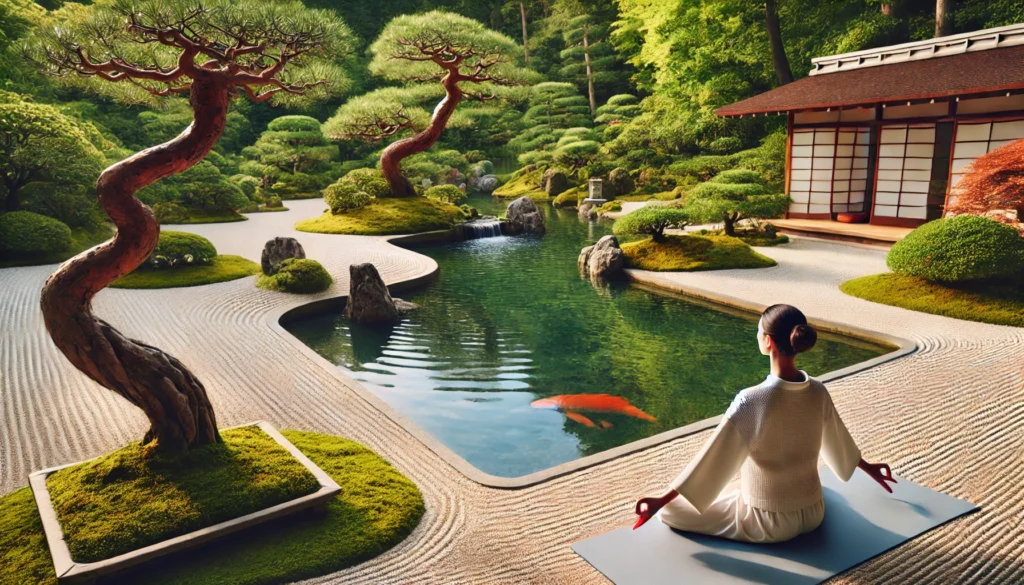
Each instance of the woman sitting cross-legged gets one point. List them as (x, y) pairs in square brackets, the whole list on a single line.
[(772, 434)]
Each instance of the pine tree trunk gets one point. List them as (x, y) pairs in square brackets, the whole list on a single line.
[(391, 158), (179, 411), (943, 24), (729, 223), (590, 75), (526, 48), (779, 59)]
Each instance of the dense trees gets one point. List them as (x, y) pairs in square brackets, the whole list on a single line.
[(279, 52)]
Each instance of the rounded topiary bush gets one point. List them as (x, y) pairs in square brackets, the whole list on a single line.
[(297, 275), (343, 196), (738, 177), (294, 124), (651, 220), (369, 181), (447, 194), (725, 145), (177, 249), (958, 249), (23, 233)]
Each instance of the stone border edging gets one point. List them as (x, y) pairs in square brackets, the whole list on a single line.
[(301, 309), (70, 571)]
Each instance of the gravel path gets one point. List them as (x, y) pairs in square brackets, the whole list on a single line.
[(950, 416)]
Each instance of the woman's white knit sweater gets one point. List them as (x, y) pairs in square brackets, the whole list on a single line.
[(772, 434)]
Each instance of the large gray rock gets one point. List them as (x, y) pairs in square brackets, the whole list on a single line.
[(554, 182), (277, 251), (602, 261), (369, 300), (620, 180), (524, 217), (587, 211), (487, 183)]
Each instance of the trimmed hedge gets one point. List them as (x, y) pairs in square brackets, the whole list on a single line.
[(176, 249), (959, 249), (447, 194), (723, 190), (297, 275), (344, 195), (23, 233), (651, 220), (737, 177)]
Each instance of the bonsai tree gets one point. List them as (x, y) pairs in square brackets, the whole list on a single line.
[(439, 47), (276, 51), (652, 221), (721, 199), (293, 144), (993, 185)]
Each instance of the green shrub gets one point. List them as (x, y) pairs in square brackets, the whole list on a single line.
[(170, 212), (703, 167), (247, 184), (738, 177), (725, 145), (344, 195), (181, 249), (296, 184), (274, 202), (727, 190), (769, 159), (297, 275), (486, 167), (651, 220), (294, 124), (959, 249), (369, 181), (23, 233), (71, 204), (447, 194)]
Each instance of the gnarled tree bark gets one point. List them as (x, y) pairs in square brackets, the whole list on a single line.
[(175, 401)]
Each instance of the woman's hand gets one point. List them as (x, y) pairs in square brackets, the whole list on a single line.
[(646, 508), (879, 472)]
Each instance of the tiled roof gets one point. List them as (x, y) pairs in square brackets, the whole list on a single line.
[(964, 74)]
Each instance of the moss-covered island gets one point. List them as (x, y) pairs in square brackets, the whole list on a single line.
[(692, 253), (388, 216)]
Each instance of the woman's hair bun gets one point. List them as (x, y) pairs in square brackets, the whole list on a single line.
[(803, 338)]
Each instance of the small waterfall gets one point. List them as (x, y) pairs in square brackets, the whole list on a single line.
[(482, 228)]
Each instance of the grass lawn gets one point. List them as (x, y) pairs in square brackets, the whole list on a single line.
[(81, 240), (692, 252), (988, 303), (199, 216), (388, 216), (753, 237), (377, 508), (224, 268)]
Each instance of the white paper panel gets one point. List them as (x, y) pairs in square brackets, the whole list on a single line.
[(824, 137), (840, 198), (859, 174), (914, 212), (822, 163), (889, 186), (822, 175), (800, 196), (960, 164), (844, 150), (836, 208), (892, 150), (919, 164), (1008, 130), (819, 208), (864, 137), (797, 208), (998, 143), (847, 137), (799, 185), (890, 175), (803, 138), (885, 210), (841, 174), (914, 199), (845, 163), (968, 132), (890, 163), (917, 176), (893, 135), (801, 163), (921, 135), (915, 187), (841, 186), (887, 198), (821, 186), (800, 174), (860, 163), (822, 198), (858, 185), (970, 149), (921, 150), (857, 197), (803, 151), (828, 150), (862, 151)]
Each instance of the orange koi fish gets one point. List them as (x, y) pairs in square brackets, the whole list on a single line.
[(572, 404)]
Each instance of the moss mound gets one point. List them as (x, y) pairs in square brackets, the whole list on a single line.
[(24, 234), (523, 184), (345, 196), (176, 249), (376, 510), (222, 269), (692, 253), (131, 499), (571, 197), (1001, 304), (959, 249), (446, 194), (297, 275), (389, 216)]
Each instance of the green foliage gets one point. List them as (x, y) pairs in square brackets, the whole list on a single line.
[(177, 249), (692, 253), (571, 197), (651, 220), (391, 215), (447, 194), (576, 154), (369, 181), (221, 269), (295, 146), (299, 185), (725, 145), (24, 234), (737, 177), (71, 204), (959, 249), (344, 196), (618, 109), (247, 184), (523, 183), (435, 165), (161, 497), (586, 39), (702, 167), (982, 301), (297, 275)]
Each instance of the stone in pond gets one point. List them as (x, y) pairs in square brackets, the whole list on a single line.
[(604, 260), (587, 211), (277, 251), (368, 298), (554, 182), (524, 217), (487, 183)]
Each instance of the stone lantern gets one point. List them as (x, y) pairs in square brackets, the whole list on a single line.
[(596, 191)]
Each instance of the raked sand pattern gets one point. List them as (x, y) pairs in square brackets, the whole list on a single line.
[(950, 416)]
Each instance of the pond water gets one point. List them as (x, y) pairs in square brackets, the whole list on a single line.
[(509, 329)]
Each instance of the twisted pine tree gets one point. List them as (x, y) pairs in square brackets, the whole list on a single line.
[(423, 48), (211, 51)]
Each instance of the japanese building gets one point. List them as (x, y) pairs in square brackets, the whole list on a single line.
[(883, 135)]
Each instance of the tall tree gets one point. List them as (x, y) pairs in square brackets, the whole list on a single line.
[(943, 22), (779, 60), (437, 47), (293, 144), (268, 51)]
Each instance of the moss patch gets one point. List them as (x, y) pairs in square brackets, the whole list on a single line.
[(223, 268), (388, 216), (1001, 304), (691, 253), (377, 508), (81, 240), (525, 184), (131, 499), (196, 216), (753, 237)]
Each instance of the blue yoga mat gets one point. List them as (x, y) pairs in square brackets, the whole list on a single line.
[(861, 521)]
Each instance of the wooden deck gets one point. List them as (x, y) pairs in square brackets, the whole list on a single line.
[(863, 233)]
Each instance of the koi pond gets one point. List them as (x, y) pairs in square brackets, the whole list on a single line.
[(517, 364)]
